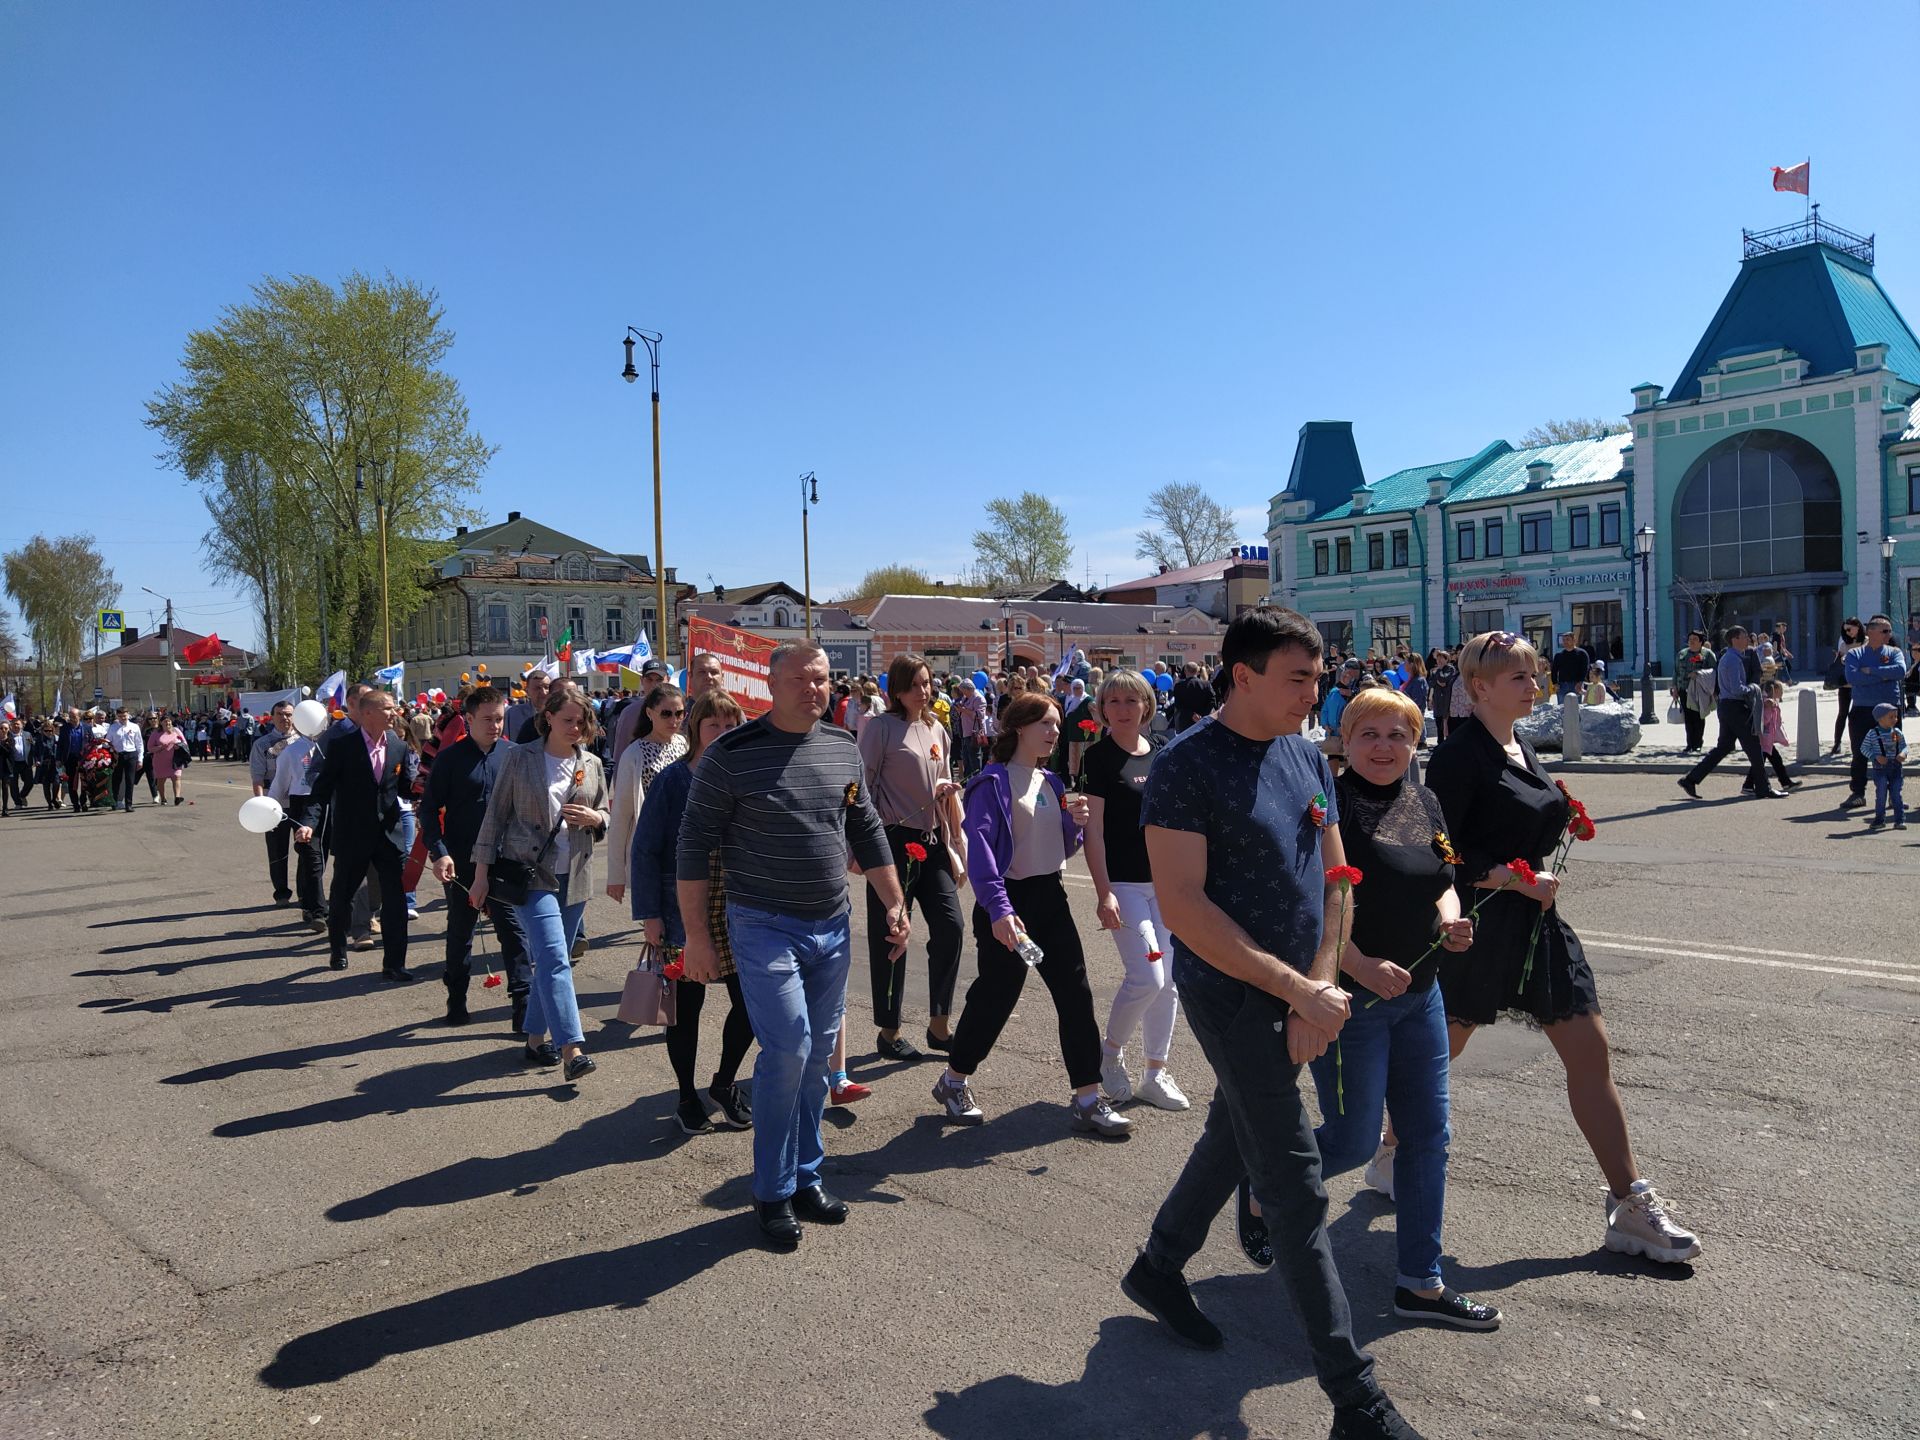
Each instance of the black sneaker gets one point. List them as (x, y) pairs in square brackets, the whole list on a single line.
[(1853, 802), (1450, 1308), (1375, 1420), (735, 1112), (692, 1116), (1254, 1240), (1690, 787), (1167, 1299), (898, 1048)]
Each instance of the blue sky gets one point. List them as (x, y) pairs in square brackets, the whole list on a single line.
[(935, 253)]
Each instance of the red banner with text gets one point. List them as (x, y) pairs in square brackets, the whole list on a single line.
[(743, 661)]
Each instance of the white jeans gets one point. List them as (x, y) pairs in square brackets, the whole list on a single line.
[(1146, 997)]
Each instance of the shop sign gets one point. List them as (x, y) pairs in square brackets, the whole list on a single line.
[(1509, 584)]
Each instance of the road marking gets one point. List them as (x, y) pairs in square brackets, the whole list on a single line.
[(1777, 954), (1755, 960)]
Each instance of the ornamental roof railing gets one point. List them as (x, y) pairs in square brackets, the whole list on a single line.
[(1811, 231)]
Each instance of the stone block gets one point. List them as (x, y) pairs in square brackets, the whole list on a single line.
[(1610, 729)]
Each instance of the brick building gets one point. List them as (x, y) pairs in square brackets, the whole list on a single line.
[(960, 633)]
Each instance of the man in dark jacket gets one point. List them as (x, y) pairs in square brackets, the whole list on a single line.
[(450, 814), (1570, 666), (362, 775), (1193, 698)]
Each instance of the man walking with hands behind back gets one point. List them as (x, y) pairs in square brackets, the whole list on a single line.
[(1241, 828), (782, 798), (361, 776)]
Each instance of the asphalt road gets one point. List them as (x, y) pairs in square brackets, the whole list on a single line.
[(248, 1196)]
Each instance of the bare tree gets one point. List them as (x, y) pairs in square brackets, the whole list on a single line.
[(1705, 598), (1193, 527), (1560, 432)]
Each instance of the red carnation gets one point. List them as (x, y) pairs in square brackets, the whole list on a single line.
[(492, 980), (916, 851), (1581, 827), (1088, 726), (1344, 875), (1523, 873)]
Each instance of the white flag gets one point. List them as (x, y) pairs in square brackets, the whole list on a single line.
[(582, 660), (6, 704), (333, 690)]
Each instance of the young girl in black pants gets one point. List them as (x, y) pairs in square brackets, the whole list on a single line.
[(1021, 825)]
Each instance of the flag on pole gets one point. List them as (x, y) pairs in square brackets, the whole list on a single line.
[(6, 705), (394, 674), (59, 700), (549, 667), (583, 661), (333, 690), (207, 649), (563, 652), (1797, 178)]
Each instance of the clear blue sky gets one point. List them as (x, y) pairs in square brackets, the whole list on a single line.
[(935, 253)]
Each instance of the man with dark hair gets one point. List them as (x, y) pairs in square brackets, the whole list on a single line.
[(1738, 678), (1569, 666), (1875, 669), (1242, 827), (455, 802), (1193, 698), (362, 774)]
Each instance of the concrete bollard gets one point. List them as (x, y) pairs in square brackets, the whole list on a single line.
[(1807, 748), (1570, 728)]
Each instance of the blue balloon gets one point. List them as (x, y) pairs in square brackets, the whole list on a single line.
[(883, 682), (1163, 683), (980, 680)]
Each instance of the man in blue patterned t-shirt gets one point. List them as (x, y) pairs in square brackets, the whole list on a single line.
[(1241, 828)]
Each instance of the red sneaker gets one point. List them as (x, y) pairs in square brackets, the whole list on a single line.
[(848, 1093)]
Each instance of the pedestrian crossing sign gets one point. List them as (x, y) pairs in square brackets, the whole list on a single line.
[(111, 621)]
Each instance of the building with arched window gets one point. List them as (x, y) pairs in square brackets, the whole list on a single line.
[(1780, 478)]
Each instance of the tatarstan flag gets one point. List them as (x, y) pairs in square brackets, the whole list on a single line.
[(563, 652)]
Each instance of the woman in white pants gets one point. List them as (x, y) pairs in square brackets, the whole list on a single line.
[(1113, 770)]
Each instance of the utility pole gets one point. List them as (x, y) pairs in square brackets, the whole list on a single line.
[(806, 554)]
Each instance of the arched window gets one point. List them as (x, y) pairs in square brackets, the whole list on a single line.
[(1755, 506)]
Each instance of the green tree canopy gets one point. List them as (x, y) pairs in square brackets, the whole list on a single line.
[(301, 416), (59, 586), (905, 580), (1025, 541)]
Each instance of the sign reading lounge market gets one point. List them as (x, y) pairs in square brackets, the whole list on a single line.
[(1505, 584)]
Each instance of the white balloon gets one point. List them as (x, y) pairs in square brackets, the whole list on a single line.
[(310, 718), (305, 690), (261, 814)]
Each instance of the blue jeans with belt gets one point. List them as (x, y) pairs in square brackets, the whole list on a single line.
[(550, 924), (793, 977), (1394, 1054)]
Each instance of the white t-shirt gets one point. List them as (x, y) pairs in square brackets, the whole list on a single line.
[(559, 790)]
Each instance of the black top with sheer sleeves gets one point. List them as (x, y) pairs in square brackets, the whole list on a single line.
[(1394, 835)]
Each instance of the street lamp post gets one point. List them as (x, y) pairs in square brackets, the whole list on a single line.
[(1886, 575), (651, 339), (809, 496), (1006, 636), (380, 514), (1643, 547)]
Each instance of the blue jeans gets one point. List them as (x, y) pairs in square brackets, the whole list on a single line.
[(793, 977), (1395, 1055), (1887, 782), (1257, 1127), (409, 827), (551, 923)]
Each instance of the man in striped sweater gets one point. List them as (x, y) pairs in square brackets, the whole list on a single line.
[(782, 799)]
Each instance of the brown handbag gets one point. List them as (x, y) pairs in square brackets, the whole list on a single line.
[(649, 997)]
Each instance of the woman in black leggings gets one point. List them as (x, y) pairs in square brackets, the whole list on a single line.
[(1852, 633), (655, 899)]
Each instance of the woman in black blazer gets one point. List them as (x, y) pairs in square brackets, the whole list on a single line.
[(1501, 805)]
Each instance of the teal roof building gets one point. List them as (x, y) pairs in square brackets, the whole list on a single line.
[(1778, 482)]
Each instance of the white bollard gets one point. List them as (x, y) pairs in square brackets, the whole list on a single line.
[(1807, 748), (1570, 728)]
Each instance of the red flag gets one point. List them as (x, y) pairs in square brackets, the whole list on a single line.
[(1795, 177), (207, 649)]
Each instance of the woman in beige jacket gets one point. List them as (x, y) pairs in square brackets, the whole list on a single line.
[(548, 805)]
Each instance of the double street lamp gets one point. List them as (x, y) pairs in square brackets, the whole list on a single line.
[(1643, 548), (651, 339)]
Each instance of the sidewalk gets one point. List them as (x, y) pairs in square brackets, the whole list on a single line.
[(1661, 750)]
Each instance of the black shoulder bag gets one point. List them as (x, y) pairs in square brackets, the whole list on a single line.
[(511, 879)]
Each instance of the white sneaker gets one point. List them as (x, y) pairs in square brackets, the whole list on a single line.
[(1114, 1083), (1099, 1118), (1640, 1225), (957, 1101), (1379, 1171), (1157, 1088)]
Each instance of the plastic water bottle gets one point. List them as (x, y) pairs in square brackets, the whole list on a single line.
[(1028, 951)]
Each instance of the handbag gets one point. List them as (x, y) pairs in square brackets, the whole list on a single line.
[(648, 997), (1836, 675), (510, 880), (1674, 715)]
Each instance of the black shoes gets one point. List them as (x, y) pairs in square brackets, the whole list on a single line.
[(543, 1055), (1375, 1420), (399, 976), (581, 1064), (777, 1223), (1168, 1300), (520, 1016), (1691, 787), (1853, 802), (1450, 1308), (692, 1116), (316, 923), (457, 1012), (1254, 1240), (735, 1112), (898, 1048), (336, 962), (936, 1043), (814, 1203)]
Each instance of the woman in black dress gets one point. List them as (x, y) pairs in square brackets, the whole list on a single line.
[(1500, 804)]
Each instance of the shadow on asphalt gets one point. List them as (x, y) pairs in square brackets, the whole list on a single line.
[(178, 919), (622, 1279)]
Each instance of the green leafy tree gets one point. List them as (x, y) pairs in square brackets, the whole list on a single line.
[(1025, 541), (906, 580), (58, 586), (302, 416), (1560, 432), (1189, 527)]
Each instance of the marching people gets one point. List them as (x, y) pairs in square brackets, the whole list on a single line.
[(292, 789), (361, 775), (1115, 772), (1500, 803), (782, 799), (1240, 818), (1874, 669), (16, 764), (1773, 732), (1695, 687), (129, 749), (665, 710), (97, 764), (261, 762), (906, 754), (652, 867), (521, 712), (452, 808), (632, 724), (547, 804), (46, 762), (1021, 828), (166, 751), (1078, 725), (1737, 685)]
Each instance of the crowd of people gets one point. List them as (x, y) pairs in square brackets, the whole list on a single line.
[(95, 759), (1217, 814)]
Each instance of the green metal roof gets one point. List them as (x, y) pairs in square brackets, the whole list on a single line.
[(1402, 490), (1872, 316), (1497, 470)]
